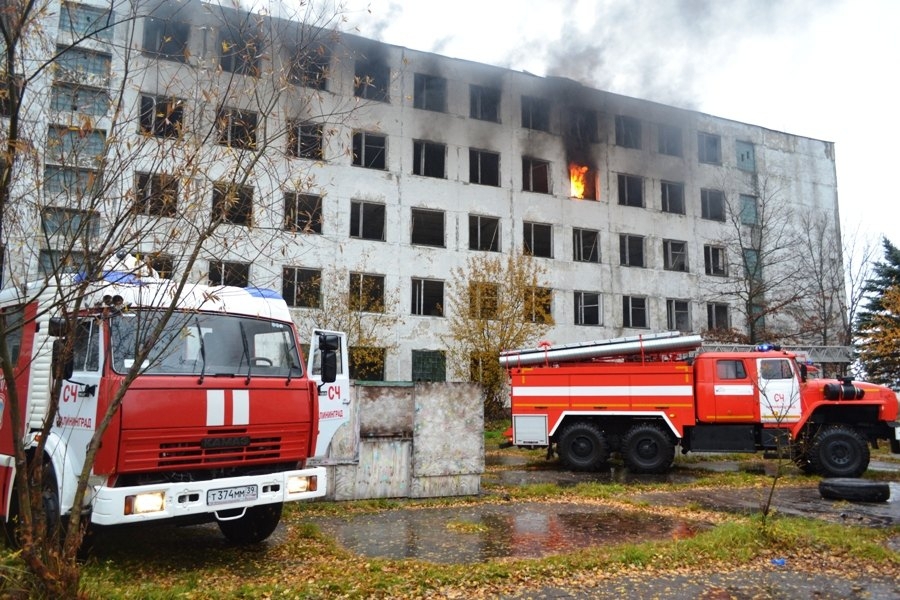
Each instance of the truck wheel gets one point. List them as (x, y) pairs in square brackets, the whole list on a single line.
[(50, 502), (257, 524), (647, 449), (839, 451), (583, 447)]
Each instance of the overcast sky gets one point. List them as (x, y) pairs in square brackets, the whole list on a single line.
[(825, 69)]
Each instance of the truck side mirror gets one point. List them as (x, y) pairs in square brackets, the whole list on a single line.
[(58, 327), (804, 372), (328, 347)]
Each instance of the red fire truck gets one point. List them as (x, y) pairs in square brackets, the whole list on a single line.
[(217, 425), (642, 396)]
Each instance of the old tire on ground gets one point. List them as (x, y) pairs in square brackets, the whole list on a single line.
[(854, 489), (583, 447), (646, 448), (838, 451), (257, 524)]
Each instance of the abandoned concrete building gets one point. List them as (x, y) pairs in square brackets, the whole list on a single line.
[(390, 167)]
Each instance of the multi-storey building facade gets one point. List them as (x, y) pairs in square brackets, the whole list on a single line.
[(389, 167)]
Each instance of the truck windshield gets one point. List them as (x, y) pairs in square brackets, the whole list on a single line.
[(213, 344)]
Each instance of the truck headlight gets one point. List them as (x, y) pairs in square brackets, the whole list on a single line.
[(146, 502), (297, 485)]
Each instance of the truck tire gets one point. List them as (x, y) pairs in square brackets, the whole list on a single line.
[(50, 503), (647, 449), (838, 451), (854, 489), (256, 525), (583, 447)]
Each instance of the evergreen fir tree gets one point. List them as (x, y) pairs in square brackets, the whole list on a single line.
[(878, 322)]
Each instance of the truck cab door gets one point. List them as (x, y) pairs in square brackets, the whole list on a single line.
[(779, 390), (334, 397), (76, 418)]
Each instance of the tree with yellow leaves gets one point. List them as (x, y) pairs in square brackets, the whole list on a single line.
[(498, 303)]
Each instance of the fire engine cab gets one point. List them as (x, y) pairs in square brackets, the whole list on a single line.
[(216, 425), (642, 396)]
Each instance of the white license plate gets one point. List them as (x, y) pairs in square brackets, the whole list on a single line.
[(241, 493)]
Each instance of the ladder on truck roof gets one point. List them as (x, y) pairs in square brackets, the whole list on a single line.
[(670, 341)]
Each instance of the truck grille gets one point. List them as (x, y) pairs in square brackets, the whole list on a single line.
[(153, 450)]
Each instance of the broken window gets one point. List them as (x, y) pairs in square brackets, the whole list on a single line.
[(582, 125), (678, 315), (712, 205), (672, 197), (484, 103), (535, 113), (628, 132), (428, 159), (746, 156), (631, 190), (71, 182), (233, 203), (586, 245), (427, 227), (241, 46), (631, 250), (369, 150), (155, 194), (714, 260), (427, 297), (367, 220), (717, 316), (302, 212), (484, 233), (675, 255), (305, 140), (535, 175), (709, 148), (163, 264), (429, 365), (161, 117), (237, 128), (538, 305), (309, 65), (372, 79), (538, 239), (484, 167), (430, 92), (166, 38), (670, 140), (66, 225), (634, 311), (82, 21), (229, 273), (81, 67), (752, 266), (301, 287), (749, 210), (367, 363), (587, 308), (366, 292), (484, 300)]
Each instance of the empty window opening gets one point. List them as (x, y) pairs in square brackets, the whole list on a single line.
[(302, 212), (678, 315), (367, 220), (631, 250), (427, 297), (484, 233), (631, 190), (628, 132), (672, 197), (709, 148), (538, 239), (428, 159), (427, 227), (484, 167), (484, 103), (675, 255), (634, 311), (535, 175), (670, 140), (430, 92), (369, 150), (586, 245), (712, 205), (535, 113)]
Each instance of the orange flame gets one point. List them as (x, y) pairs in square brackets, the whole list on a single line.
[(578, 179)]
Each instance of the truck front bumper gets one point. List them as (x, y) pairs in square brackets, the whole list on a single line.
[(137, 504)]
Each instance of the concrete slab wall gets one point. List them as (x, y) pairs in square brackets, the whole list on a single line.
[(414, 440)]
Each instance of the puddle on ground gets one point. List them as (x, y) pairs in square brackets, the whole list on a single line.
[(564, 478), (478, 533)]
